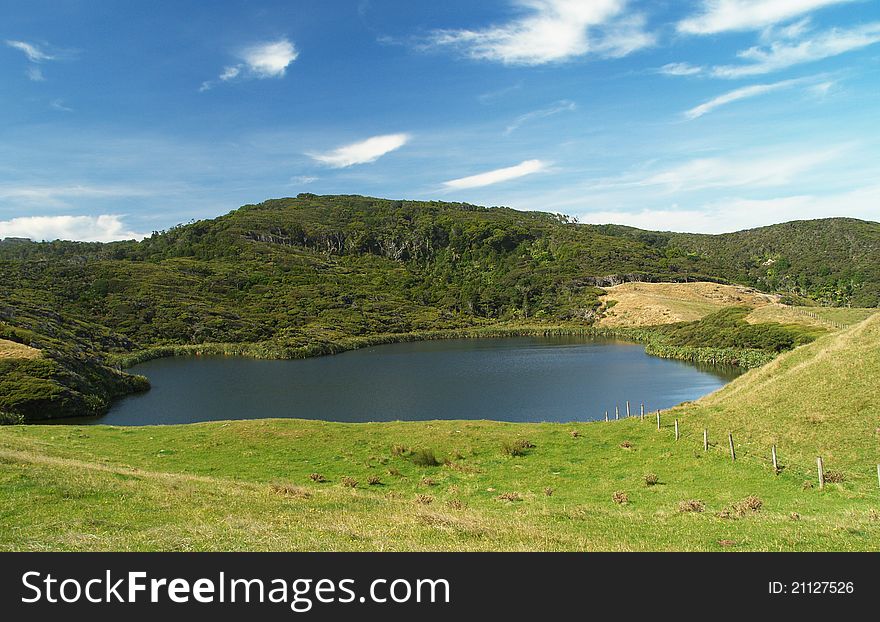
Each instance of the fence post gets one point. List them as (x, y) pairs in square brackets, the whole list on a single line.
[(878, 474), (775, 462), (627, 409), (642, 410), (658, 419), (821, 468), (677, 436), (730, 442), (616, 413), (705, 440), (606, 416)]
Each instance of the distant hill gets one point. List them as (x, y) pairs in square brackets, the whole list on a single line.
[(293, 274), (832, 260)]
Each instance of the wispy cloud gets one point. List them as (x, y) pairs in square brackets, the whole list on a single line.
[(563, 105), (103, 228), (552, 31), (785, 53), (361, 152), (745, 92), (492, 96), (496, 176), (269, 59), (732, 15), (35, 55), (58, 104), (680, 69), (755, 171), (58, 195)]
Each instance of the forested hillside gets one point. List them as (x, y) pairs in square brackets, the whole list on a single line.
[(292, 273), (834, 261)]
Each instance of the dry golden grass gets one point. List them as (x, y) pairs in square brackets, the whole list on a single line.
[(12, 350), (650, 304)]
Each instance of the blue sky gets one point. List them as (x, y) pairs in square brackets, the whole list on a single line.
[(120, 118)]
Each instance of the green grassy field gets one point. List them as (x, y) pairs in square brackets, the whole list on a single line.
[(246, 485)]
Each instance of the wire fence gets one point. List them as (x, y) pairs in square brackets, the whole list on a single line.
[(772, 456)]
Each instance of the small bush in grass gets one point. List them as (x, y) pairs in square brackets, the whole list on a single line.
[(509, 496), (374, 480), (427, 481), (620, 497), (834, 477), (456, 504), (574, 433), (399, 450), (626, 445), (289, 490), (794, 516), (651, 479), (691, 505), (424, 499), (749, 505), (424, 457), (548, 492), (349, 482), (516, 448), (317, 478)]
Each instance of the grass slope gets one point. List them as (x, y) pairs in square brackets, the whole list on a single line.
[(246, 484), (822, 399)]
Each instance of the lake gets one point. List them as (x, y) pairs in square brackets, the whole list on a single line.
[(510, 379)]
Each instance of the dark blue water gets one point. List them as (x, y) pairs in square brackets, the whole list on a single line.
[(513, 379)]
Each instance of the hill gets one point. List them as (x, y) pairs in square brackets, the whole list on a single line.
[(317, 274)]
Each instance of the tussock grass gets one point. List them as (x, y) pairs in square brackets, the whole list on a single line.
[(13, 350)]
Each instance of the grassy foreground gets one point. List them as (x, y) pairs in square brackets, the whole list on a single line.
[(247, 485)]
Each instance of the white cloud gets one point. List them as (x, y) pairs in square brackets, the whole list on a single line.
[(552, 31), (497, 176), (756, 171), (103, 228), (560, 106), (736, 214), (732, 15), (32, 51), (262, 60), (362, 152), (786, 53), (680, 69), (736, 95), (270, 60)]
